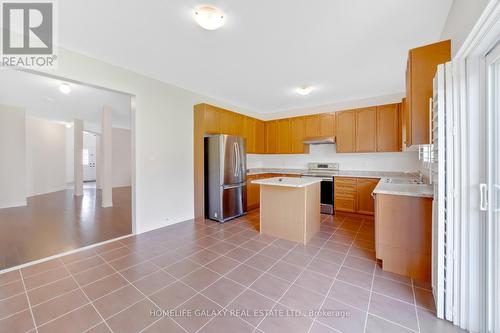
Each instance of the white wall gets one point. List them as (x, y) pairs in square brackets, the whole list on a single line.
[(404, 161), (461, 19), (45, 156), (163, 141), (122, 157), (13, 156)]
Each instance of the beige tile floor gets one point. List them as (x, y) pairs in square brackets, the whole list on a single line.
[(210, 277)]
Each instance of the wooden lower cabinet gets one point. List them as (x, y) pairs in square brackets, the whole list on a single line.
[(403, 235), (365, 201), (344, 194), (354, 195)]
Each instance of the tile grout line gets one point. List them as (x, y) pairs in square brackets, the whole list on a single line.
[(335, 278), (415, 302), (248, 287), (223, 276), (29, 303), (88, 298), (300, 274), (370, 298), (225, 255)]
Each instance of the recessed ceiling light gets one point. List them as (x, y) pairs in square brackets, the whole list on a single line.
[(209, 17), (305, 90), (65, 88)]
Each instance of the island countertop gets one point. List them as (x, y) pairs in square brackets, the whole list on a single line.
[(287, 181)]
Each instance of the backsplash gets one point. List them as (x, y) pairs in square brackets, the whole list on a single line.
[(403, 161)]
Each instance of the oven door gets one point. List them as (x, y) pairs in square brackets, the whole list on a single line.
[(326, 194)]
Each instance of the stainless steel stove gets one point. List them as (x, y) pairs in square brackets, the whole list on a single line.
[(325, 171)]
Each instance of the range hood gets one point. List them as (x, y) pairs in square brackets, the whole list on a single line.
[(320, 140)]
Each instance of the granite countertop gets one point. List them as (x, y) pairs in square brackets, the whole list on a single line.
[(288, 182), (402, 184)]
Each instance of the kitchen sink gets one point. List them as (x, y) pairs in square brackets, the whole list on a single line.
[(403, 181)]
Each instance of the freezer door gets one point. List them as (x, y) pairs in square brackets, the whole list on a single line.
[(234, 201), (233, 159)]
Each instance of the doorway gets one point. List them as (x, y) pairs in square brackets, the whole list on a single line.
[(46, 215), (89, 157)]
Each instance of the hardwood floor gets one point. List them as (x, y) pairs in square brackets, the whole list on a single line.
[(57, 222)]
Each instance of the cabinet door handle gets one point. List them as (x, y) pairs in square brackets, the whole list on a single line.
[(483, 192)]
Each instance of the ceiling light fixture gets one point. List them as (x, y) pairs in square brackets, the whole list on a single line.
[(209, 17), (69, 125), (65, 88), (305, 90)]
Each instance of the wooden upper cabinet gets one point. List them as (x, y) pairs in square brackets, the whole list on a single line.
[(366, 130), (311, 126), (346, 131), (271, 137), (388, 128), (327, 124), (421, 69), (249, 134), (228, 123), (297, 135), (365, 201), (260, 137), (211, 119), (283, 136)]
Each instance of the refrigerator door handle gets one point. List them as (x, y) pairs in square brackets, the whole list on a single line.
[(235, 166), (238, 159)]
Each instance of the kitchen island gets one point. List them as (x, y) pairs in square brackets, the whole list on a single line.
[(290, 208)]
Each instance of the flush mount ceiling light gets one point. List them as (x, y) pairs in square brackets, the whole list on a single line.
[(65, 88), (305, 90), (209, 17)]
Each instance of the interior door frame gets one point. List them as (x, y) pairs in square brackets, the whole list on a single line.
[(470, 94), (492, 235), (132, 129)]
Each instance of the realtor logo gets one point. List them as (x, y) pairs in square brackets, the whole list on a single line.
[(28, 33)]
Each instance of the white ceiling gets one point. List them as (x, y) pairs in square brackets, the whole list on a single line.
[(348, 49), (41, 98)]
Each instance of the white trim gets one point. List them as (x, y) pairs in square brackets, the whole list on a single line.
[(470, 96), (59, 255)]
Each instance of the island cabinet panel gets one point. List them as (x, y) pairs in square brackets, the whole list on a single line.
[(283, 136), (291, 213), (420, 71), (366, 130), (271, 137), (403, 235), (365, 201), (312, 126), (389, 128), (327, 124), (260, 137), (297, 133), (346, 131)]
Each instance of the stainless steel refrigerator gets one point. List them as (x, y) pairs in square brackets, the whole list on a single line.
[(225, 177)]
